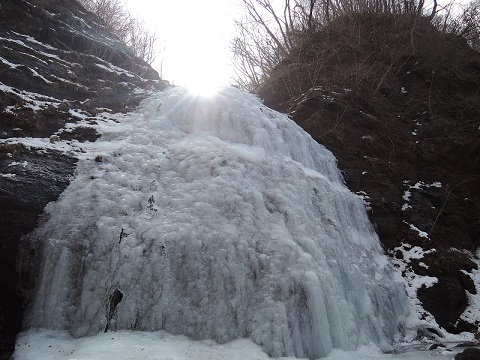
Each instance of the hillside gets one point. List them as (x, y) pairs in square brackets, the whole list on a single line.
[(60, 73), (397, 102)]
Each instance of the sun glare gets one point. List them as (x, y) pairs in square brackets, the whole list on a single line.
[(203, 89), (205, 78), (194, 37)]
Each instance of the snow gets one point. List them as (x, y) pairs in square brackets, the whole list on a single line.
[(160, 345), (419, 185), (8, 63), (472, 312), (419, 317), (39, 52), (33, 40), (102, 122), (16, 163), (21, 43), (366, 199), (9, 176), (78, 114), (80, 86), (73, 147), (32, 100), (35, 73), (32, 56), (410, 253), (216, 218), (405, 207), (83, 22), (420, 232), (115, 69)]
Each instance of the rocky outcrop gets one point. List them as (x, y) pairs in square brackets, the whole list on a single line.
[(59, 68), (400, 110), (468, 354)]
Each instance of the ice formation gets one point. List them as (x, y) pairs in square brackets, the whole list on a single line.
[(216, 218)]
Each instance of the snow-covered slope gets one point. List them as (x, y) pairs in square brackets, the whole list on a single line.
[(217, 219)]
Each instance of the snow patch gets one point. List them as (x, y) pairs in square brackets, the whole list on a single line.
[(472, 312), (33, 40), (366, 199), (115, 69), (419, 185), (34, 101), (160, 345), (35, 73), (405, 274), (8, 176), (419, 232), (8, 63), (22, 164)]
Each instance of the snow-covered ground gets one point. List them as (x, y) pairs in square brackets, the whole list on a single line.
[(217, 218), (123, 345)]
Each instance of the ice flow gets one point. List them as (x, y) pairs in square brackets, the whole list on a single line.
[(215, 218)]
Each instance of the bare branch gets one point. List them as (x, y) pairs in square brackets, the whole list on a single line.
[(116, 19)]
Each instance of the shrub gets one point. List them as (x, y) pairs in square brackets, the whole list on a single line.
[(465, 22), (270, 33)]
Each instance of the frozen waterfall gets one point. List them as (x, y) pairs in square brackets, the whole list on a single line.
[(214, 218)]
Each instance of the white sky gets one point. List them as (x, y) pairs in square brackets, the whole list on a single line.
[(193, 37)]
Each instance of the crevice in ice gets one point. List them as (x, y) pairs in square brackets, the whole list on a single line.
[(114, 298)]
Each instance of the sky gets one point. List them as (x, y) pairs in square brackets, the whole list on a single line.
[(193, 39)]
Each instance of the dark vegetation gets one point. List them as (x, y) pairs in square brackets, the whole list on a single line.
[(395, 96)]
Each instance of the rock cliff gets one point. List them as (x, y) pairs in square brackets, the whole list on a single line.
[(58, 68)]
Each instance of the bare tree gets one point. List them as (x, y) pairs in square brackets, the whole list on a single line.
[(133, 32), (267, 35), (465, 22), (271, 29)]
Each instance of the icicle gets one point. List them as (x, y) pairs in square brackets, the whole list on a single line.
[(233, 223)]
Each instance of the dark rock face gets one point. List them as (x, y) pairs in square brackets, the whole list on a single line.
[(23, 197), (468, 354), (58, 65), (403, 123)]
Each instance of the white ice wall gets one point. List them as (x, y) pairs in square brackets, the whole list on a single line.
[(216, 218)]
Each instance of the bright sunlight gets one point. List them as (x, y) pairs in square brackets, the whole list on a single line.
[(193, 40)]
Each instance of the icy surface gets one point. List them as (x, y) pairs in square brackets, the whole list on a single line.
[(135, 345), (215, 219)]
